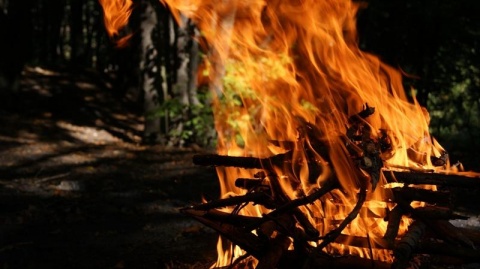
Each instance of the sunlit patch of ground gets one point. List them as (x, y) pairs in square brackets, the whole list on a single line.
[(79, 190)]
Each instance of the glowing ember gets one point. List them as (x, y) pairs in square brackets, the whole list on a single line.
[(288, 77)]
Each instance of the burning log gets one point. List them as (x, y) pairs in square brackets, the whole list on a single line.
[(275, 250), (332, 235), (463, 254), (445, 180), (416, 194), (407, 245), (393, 225), (286, 224), (242, 162)]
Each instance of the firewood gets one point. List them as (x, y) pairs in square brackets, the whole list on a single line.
[(405, 248), (275, 249), (333, 234), (417, 194), (445, 230), (237, 235), (363, 242), (394, 218), (447, 180), (322, 260), (440, 248), (242, 162), (221, 217), (287, 222), (254, 197), (250, 183), (294, 204), (472, 234), (437, 213)]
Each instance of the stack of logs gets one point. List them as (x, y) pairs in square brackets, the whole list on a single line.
[(430, 233), (431, 238)]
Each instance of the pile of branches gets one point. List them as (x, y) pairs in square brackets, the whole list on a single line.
[(269, 238)]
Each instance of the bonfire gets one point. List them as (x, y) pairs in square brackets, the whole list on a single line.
[(323, 158)]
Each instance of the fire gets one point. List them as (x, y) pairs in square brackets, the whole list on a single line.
[(288, 76), (116, 15)]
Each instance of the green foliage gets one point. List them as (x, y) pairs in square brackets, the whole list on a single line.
[(196, 121), (239, 104), (455, 107), (438, 43)]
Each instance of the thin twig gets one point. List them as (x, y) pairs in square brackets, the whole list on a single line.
[(333, 234)]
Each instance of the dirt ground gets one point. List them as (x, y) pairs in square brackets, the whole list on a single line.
[(78, 190)]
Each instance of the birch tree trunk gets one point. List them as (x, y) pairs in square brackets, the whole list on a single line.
[(149, 74)]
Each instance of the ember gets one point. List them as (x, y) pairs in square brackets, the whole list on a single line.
[(322, 158)]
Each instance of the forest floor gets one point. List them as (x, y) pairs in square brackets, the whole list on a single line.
[(78, 190)]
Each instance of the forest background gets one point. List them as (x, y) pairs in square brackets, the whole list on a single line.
[(435, 43)]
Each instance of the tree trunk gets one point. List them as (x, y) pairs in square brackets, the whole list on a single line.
[(76, 31), (52, 15), (183, 72), (16, 44), (149, 74)]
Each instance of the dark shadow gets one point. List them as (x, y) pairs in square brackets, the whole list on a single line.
[(65, 128)]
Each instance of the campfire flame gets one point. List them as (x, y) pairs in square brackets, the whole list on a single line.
[(292, 71), (287, 76), (116, 15)]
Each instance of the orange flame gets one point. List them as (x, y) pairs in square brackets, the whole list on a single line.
[(116, 14), (275, 66), (279, 67)]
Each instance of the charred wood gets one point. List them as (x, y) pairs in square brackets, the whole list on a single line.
[(238, 236), (472, 234), (275, 249), (221, 217), (447, 180), (434, 212), (242, 162), (416, 194), (322, 260), (448, 232), (394, 218), (250, 183), (362, 242), (294, 204), (406, 247), (254, 197), (465, 254), (333, 234)]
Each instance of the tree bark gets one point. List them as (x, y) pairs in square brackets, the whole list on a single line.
[(150, 74), (16, 44), (76, 38)]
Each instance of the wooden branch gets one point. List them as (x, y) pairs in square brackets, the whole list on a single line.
[(472, 234), (407, 245), (250, 183), (416, 194), (221, 217), (442, 228), (242, 162), (435, 212), (447, 231), (254, 197), (430, 247), (294, 204), (275, 249), (333, 234), (322, 260), (393, 225), (448, 180), (238, 236), (362, 242)]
